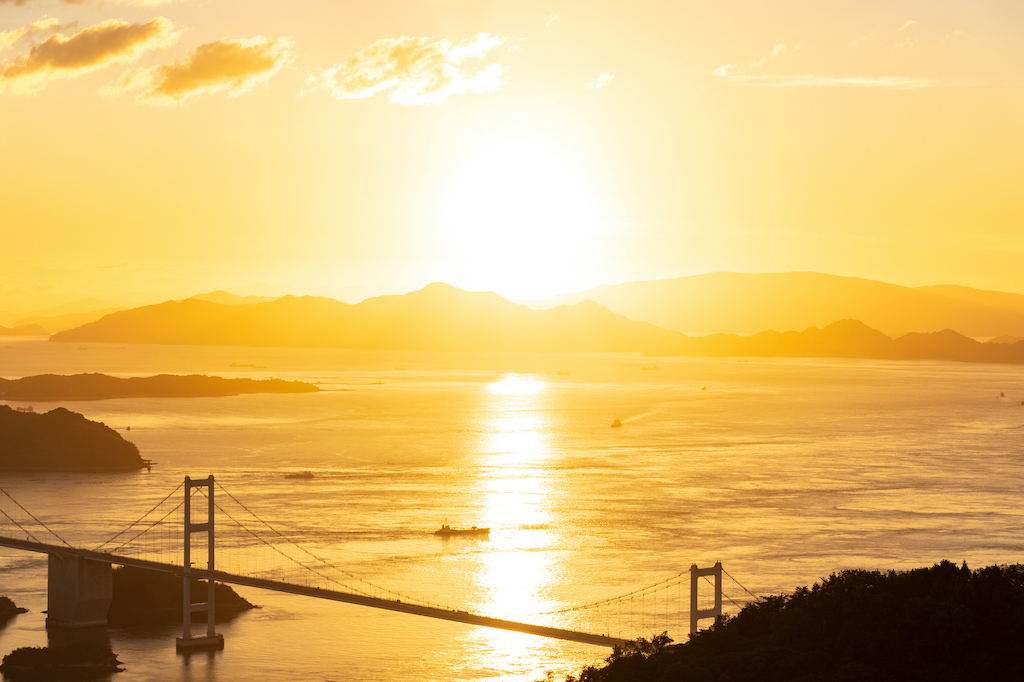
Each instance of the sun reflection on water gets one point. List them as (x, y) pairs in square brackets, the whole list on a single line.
[(515, 488)]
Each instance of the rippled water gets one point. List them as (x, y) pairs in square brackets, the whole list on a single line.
[(784, 470)]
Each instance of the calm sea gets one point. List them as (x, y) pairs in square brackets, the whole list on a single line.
[(783, 470)]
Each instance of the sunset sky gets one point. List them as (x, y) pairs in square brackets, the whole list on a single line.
[(154, 149)]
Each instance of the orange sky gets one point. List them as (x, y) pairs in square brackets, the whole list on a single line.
[(155, 149)]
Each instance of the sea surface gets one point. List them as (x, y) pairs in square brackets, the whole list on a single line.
[(785, 470)]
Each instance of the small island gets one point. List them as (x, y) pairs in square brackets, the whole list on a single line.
[(61, 440), (142, 597), (8, 610), (54, 387), (81, 661)]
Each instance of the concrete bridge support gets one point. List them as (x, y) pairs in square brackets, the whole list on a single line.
[(78, 592), (696, 614)]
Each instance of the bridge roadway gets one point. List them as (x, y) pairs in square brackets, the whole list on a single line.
[(333, 595)]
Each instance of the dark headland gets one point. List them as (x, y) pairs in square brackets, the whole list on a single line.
[(52, 387), (938, 624), (61, 440)]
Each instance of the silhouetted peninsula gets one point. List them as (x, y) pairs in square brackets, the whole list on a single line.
[(845, 339), (51, 387), (939, 624), (61, 440), (144, 597), (24, 330)]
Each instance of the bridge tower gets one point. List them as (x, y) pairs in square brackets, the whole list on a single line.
[(696, 613), (211, 640)]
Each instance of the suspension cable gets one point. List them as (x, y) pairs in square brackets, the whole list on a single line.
[(140, 520), (23, 529), (311, 554), (33, 518), (740, 584)]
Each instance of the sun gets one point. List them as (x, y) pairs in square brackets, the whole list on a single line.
[(519, 215)]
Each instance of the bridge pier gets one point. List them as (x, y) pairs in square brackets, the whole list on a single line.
[(697, 613), (212, 640), (78, 592)]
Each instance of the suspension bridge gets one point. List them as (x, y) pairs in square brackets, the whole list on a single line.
[(261, 556)]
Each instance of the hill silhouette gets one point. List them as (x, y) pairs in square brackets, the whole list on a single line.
[(221, 296), (938, 624), (846, 339), (737, 303), (51, 387), (24, 330), (61, 440), (437, 317)]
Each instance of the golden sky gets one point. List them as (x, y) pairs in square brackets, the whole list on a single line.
[(157, 148)]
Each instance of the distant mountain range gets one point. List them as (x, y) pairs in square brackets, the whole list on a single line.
[(442, 317), (437, 317), (847, 339), (736, 303)]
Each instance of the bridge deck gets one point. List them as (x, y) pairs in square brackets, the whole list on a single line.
[(333, 595)]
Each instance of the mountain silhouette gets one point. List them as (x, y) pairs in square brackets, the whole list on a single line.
[(61, 440), (736, 303), (847, 339), (437, 317)]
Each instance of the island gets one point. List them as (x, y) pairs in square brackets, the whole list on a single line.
[(61, 440), (940, 623), (81, 661), (8, 610), (142, 597), (53, 387)]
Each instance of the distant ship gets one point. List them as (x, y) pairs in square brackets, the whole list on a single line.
[(616, 424), (447, 531), (303, 474)]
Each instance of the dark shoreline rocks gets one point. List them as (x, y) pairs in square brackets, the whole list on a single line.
[(61, 440)]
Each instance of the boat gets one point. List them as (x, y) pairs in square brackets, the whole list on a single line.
[(301, 474), (616, 424), (24, 409), (447, 531)]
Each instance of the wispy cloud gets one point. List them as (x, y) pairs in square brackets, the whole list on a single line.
[(814, 81), (232, 66), (599, 82), (46, 26), (109, 43), (413, 70), (904, 27), (778, 49), (552, 19)]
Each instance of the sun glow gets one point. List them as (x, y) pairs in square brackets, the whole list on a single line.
[(519, 217)]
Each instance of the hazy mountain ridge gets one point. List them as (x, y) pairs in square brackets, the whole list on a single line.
[(848, 339), (444, 318), (437, 317), (738, 303)]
